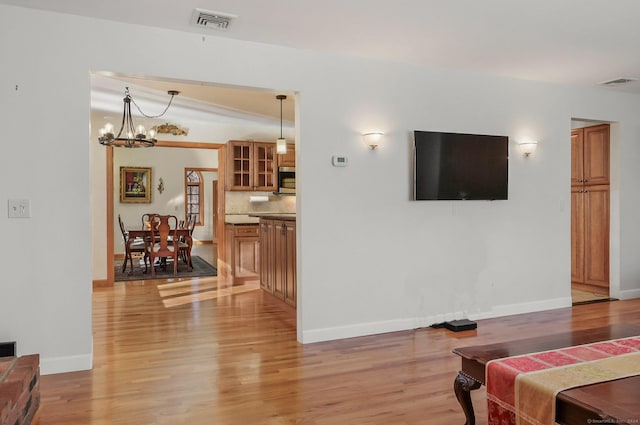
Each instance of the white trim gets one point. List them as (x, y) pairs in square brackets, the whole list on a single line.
[(531, 307), (629, 294), (373, 328), (51, 365)]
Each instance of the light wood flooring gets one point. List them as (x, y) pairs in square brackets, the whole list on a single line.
[(191, 352)]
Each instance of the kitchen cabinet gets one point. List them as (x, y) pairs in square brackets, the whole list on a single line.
[(251, 166), (590, 155), (288, 159), (243, 252), (590, 207), (278, 258)]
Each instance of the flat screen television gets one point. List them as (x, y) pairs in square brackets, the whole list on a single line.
[(456, 166)]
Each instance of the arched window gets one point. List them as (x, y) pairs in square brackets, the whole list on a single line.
[(193, 195)]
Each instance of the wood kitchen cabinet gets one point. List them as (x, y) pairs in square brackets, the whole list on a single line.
[(243, 252), (590, 235), (251, 166), (288, 159), (590, 207), (278, 259), (590, 155)]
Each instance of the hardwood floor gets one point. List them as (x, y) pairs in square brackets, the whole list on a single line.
[(188, 352)]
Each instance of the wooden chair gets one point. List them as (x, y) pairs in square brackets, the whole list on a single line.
[(146, 221), (164, 242), (131, 247), (185, 252)]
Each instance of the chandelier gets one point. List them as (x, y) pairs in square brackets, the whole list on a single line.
[(129, 135)]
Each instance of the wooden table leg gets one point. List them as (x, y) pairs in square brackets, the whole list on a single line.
[(462, 386)]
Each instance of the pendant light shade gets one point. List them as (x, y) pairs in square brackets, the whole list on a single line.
[(281, 142)]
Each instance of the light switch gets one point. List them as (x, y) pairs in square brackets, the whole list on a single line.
[(19, 208)]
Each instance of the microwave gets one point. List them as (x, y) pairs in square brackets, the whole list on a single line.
[(286, 180)]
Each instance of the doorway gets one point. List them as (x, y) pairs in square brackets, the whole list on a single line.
[(219, 202), (590, 212)]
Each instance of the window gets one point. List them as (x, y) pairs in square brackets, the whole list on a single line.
[(193, 195)]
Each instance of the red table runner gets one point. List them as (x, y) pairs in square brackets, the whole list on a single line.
[(522, 389)]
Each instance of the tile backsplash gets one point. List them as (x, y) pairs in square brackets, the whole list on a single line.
[(239, 203)]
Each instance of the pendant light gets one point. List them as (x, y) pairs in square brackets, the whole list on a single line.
[(281, 143), (130, 135)]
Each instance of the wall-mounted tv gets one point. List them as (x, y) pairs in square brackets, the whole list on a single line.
[(456, 166)]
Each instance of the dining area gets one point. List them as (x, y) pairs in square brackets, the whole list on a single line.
[(160, 242)]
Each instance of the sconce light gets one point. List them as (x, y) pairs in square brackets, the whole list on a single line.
[(372, 139), (528, 148)]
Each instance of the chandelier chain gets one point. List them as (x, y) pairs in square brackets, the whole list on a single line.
[(140, 110)]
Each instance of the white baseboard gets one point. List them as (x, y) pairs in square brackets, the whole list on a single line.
[(373, 328), (629, 294), (51, 365), (530, 307)]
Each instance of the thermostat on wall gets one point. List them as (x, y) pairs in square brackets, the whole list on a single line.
[(339, 160)]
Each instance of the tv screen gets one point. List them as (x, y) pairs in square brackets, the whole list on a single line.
[(452, 166)]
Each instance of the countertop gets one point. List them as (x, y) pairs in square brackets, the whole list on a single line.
[(275, 216), (240, 219)]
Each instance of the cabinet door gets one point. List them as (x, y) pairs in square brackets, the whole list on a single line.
[(267, 255), (280, 258), (577, 155), (288, 159), (596, 230), (264, 167), (290, 263), (577, 234), (247, 257), (596, 155), (239, 166)]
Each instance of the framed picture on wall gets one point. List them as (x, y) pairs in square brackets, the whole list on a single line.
[(135, 185)]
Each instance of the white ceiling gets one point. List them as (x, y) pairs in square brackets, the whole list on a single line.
[(582, 42)]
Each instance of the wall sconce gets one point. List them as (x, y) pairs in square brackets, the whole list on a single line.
[(160, 185), (372, 139), (528, 148)]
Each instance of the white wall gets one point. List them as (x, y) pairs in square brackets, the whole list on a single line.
[(369, 259)]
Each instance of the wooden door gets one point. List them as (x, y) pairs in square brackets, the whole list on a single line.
[(280, 257), (239, 166), (264, 167), (290, 261), (596, 155), (596, 231), (577, 155), (267, 255), (577, 234), (288, 159)]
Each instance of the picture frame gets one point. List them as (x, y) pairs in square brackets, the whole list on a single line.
[(135, 185)]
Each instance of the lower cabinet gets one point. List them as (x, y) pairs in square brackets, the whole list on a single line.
[(243, 252), (590, 235), (278, 258)]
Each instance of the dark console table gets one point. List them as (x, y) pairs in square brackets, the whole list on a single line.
[(612, 401)]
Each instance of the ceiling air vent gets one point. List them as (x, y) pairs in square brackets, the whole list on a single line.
[(617, 81), (211, 19)]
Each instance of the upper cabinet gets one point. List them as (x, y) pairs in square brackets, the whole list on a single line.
[(288, 159), (251, 166), (590, 155)]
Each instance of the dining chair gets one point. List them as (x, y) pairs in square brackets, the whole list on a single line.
[(137, 245), (146, 221), (164, 242), (185, 251)]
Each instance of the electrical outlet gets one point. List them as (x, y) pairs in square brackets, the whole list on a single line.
[(19, 208)]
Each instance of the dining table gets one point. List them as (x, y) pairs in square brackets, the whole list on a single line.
[(145, 234)]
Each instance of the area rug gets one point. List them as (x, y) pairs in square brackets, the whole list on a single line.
[(200, 269)]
